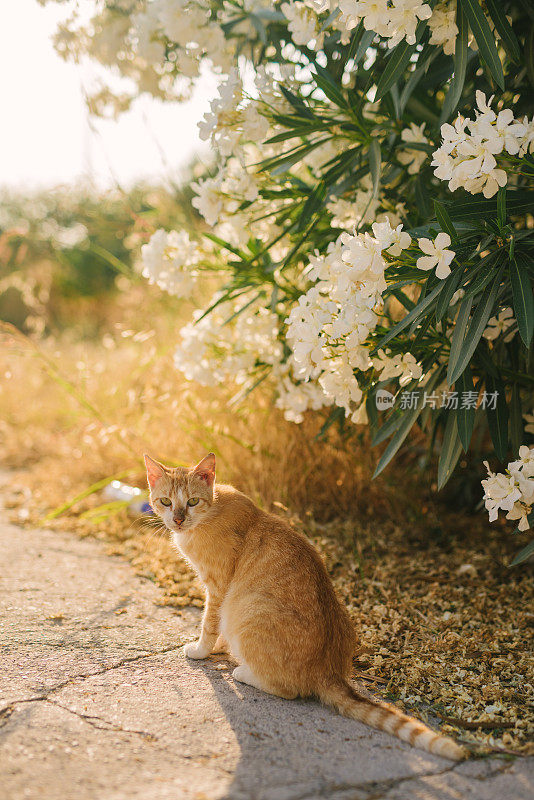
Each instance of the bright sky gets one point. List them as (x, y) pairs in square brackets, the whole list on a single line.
[(45, 138)]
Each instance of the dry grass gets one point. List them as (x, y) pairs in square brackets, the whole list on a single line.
[(443, 624)]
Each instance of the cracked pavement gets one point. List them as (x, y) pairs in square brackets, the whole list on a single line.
[(98, 701)]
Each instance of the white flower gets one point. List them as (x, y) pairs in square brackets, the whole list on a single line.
[(512, 492), (296, 398), (467, 156), (209, 200), (442, 23), (410, 157), (228, 343), (303, 23), (393, 240), (437, 255), (402, 366), (500, 492), (168, 260), (500, 325), (529, 422), (457, 296), (525, 464)]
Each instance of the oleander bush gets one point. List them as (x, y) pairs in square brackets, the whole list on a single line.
[(369, 212)]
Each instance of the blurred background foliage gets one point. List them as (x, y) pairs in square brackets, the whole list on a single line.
[(66, 252)]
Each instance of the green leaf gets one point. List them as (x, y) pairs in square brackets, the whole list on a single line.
[(95, 487), (397, 62), (498, 416), (407, 421), (451, 285), (484, 39), (425, 59), (375, 164), (504, 29), (462, 55), (523, 554), (516, 421), (458, 334), (415, 314), (450, 451), (464, 350), (444, 220), (501, 207), (529, 54), (465, 417), (297, 102), (314, 202), (363, 46), (404, 426), (422, 196), (388, 428), (517, 202), (326, 83), (523, 301)]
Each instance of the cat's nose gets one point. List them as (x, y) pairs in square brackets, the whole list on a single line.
[(178, 518)]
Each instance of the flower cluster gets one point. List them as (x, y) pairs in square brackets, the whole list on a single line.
[(169, 261), (228, 344), (512, 491), (466, 157), (395, 20), (504, 323), (328, 326)]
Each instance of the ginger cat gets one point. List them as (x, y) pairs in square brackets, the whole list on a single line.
[(269, 597)]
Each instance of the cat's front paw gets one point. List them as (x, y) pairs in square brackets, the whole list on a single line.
[(196, 650)]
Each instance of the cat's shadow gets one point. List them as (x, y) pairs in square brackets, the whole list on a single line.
[(300, 750)]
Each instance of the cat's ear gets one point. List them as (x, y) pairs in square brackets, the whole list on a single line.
[(154, 470), (205, 469)]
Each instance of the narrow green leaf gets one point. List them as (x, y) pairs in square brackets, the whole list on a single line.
[(375, 164), (397, 62), (402, 431), (484, 39), (389, 427), (422, 196), (460, 65), (498, 416), (504, 29), (529, 54), (517, 202), (516, 421), (407, 420), (297, 102), (465, 413), (327, 84), (523, 554), (425, 59), (365, 43), (355, 40), (476, 328), (314, 201), (95, 487), (458, 334), (410, 318), (451, 285), (450, 451), (444, 220), (484, 277), (523, 300), (501, 207)]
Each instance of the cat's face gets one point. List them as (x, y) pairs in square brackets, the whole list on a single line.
[(181, 497)]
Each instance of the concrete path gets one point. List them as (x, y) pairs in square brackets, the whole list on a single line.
[(98, 701)]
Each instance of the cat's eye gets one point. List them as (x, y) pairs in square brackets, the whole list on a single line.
[(193, 501), (165, 501)]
